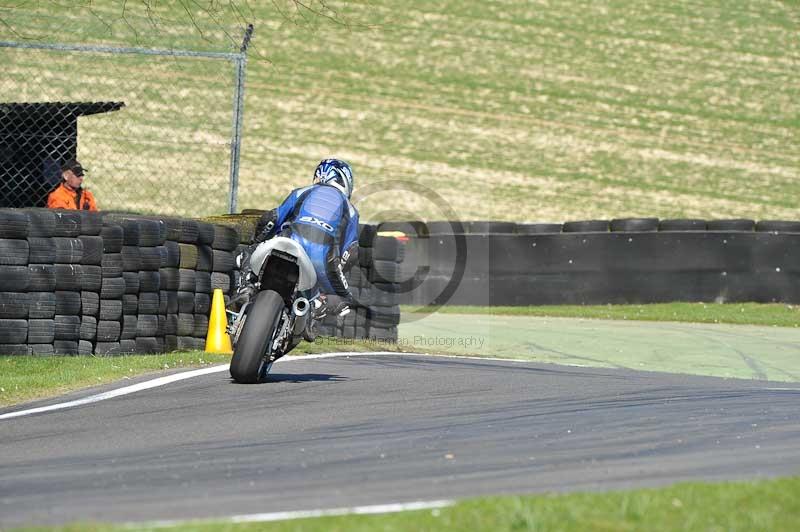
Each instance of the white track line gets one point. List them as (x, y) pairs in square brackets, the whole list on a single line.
[(161, 381), (304, 514)]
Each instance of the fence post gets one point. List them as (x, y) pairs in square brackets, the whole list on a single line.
[(238, 112)]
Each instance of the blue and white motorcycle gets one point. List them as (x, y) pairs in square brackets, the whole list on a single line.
[(273, 321)]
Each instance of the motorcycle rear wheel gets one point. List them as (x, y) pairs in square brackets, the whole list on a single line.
[(255, 341)]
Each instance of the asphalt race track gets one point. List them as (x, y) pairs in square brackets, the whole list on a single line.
[(338, 432)]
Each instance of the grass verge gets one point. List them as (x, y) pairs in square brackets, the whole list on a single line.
[(774, 314), (765, 505)]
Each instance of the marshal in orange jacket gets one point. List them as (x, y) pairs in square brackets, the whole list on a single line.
[(63, 198)]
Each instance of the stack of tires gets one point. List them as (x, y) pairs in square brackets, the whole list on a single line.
[(188, 322), (14, 282), (74, 282)]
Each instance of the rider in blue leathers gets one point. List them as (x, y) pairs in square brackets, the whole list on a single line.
[(321, 218)]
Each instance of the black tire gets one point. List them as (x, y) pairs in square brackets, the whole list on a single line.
[(384, 271), (14, 252), (108, 331), (67, 223), (149, 259), (221, 281), (65, 347), (41, 331), (170, 279), (112, 287), (202, 283), (383, 333), (682, 224), (146, 325), (586, 226), (90, 303), (634, 225), (113, 238), (186, 302), (150, 233), (15, 278), (173, 229), (188, 256), (68, 277), (131, 259), (739, 224), (110, 309), (185, 324), (149, 281), (68, 250), (163, 302), (173, 254), (777, 226), (130, 304), (171, 325), (202, 304), (388, 248), (130, 232), (161, 330), (131, 282), (187, 280), (13, 224), (111, 264), (41, 350), (15, 349), (148, 304), (148, 345), (205, 233), (129, 325), (91, 223), (14, 305), (445, 228), (42, 278), (189, 231), (67, 327), (537, 228), (111, 348), (41, 250), (172, 302), (92, 278), (225, 238), (88, 328), (92, 250), (42, 305), (42, 222), (68, 303), (253, 345), (85, 347), (223, 261), (200, 326)]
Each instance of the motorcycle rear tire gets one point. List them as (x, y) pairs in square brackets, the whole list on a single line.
[(258, 332)]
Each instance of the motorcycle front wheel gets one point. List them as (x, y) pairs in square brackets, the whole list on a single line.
[(255, 341)]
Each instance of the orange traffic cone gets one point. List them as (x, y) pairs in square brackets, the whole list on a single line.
[(217, 340)]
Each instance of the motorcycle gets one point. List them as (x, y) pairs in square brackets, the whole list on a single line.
[(272, 322)]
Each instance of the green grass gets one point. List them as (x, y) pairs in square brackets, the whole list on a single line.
[(508, 110), (775, 314), (769, 505)]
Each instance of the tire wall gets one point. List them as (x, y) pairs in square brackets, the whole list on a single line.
[(601, 262), (75, 282)]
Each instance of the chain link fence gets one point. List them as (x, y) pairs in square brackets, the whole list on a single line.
[(157, 130)]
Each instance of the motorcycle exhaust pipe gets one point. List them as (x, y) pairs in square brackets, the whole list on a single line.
[(300, 307)]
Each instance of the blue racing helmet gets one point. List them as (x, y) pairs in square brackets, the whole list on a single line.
[(335, 173)]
